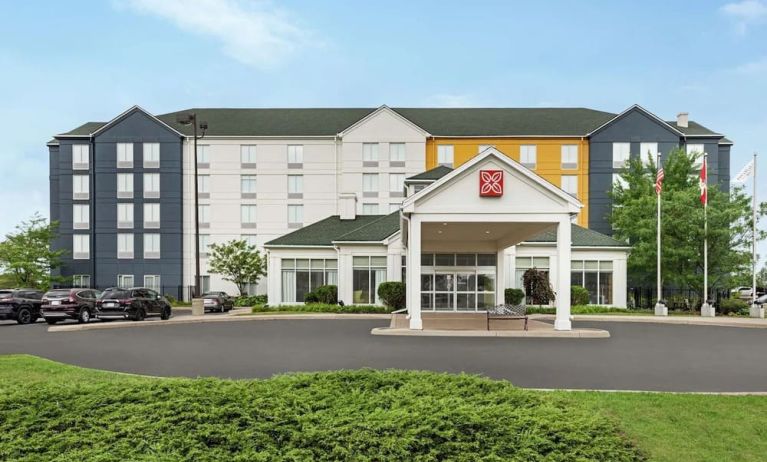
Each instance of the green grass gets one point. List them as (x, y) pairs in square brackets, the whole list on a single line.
[(50, 411), (319, 308)]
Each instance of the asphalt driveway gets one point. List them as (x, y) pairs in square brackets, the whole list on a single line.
[(636, 357)]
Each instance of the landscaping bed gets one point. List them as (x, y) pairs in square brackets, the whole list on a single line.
[(321, 308)]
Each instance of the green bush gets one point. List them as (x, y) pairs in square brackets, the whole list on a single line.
[(585, 309), (321, 308), (311, 297), (513, 296), (732, 307), (250, 300), (579, 295), (327, 294), (393, 294)]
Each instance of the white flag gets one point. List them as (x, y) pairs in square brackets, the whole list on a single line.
[(745, 173)]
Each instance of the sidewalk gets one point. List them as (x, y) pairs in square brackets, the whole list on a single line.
[(721, 321), (536, 329)]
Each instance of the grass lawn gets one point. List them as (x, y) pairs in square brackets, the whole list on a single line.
[(50, 411)]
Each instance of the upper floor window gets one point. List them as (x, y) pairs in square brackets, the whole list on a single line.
[(295, 215), (621, 154), (248, 186), (648, 151), (203, 215), (151, 215), (152, 185), (81, 249), (248, 216), (370, 154), (569, 156), (528, 155), (295, 156), (80, 155), (618, 180), (250, 239), (80, 187), (124, 185), (124, 215), (370, 184), (445, 154), (370, 209), (203, 160), (696, 151), (124, 155), (204, 244), (570, 184), (124, 245), (203, 186), (397, 152), (152, 245), (80, 216), (396, 183), (151, 155), (295, 186), (248, 155)]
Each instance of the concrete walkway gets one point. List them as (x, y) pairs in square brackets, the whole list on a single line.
[(722, 321), (536, 329)]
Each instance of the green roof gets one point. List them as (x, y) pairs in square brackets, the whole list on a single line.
[(581, 237), (364, 228), (84, 130), (694, 129), (431, 175)]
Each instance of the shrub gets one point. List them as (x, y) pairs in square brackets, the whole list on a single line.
[(732, 307), (393, 294), (579, 295), (171, 299), (322, 308), (311, 297), (537, 287), (327, 294), (513, 296), (250, 300)]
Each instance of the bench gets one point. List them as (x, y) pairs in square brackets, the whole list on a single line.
[(507, 312)]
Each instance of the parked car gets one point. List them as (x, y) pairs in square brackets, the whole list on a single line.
[(20, 305), (217, 301), (744, 293), (135, 304), (62, 304), (761, 300)]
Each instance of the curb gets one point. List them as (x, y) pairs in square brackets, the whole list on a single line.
[(675, 320), (575, 333)]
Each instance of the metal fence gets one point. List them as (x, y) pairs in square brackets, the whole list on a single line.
[(676, 299)]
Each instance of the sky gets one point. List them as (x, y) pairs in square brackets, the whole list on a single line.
[(65, 63)]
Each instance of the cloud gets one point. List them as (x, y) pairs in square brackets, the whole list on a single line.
[(255, 34), (745, 13), (451, 100)]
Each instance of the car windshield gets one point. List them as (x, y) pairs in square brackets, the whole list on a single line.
[(57, 293), (115, 293), (6, 293)]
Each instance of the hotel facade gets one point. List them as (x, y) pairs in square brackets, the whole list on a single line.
[(321, 190)]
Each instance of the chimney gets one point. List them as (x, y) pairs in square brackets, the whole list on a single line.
[(347, 206), (682, 119)]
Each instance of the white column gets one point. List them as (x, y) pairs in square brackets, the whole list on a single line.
[(274, 280), (500, 277), (562, 321), (414, 274)]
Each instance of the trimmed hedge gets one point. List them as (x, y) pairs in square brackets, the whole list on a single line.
[(327, 294), (579, 295), (250, 300), (584, 309), (322, 308), (513, 296), (393, 294), (362, 415)]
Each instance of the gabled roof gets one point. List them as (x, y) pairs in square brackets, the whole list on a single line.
[(83, 130), (581, 237), (130, 110), (431, 175), (383, 108), (694, 129), (639, 108), (364, 228)]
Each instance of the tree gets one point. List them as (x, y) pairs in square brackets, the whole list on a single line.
[(537, 287), (26, 256), (238, 262), (634, 219)]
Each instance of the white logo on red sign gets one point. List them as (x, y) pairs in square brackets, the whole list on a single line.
[(491, 183)]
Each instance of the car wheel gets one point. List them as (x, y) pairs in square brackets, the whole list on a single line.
[(165, 315), (24, 316), (51, 321), (84, 317), (140, 315)]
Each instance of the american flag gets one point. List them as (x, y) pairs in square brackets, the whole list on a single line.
[(659, 181)]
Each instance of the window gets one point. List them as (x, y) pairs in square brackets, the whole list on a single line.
[(124, 185), (696, 151), (80, 216), (418, 188), (482, 147), (81, 280), (203, 160), (370, 185), (569, 156), (396, 184), (124, 245), (295, 156), (369, 209), (648, 151), (80, 156), (295, 216), (457, 282), (81, 246), (151, 215), (250, 239), (124, 155), (621, 154), (125, 281), (80, 187), (295, 186), (152, 245), (205, 283), (570, 184), (152, 185), (203, 186), (301, 276), (248, 186), (370, 154), (151, 155), (522, 264), (528, 155), (204, 244), (248, 155), (152, 281), (445, 155), (618, 180), (596, 277), (368, 274), (125, 215), (397, 154), (248, 216), (203, 215)]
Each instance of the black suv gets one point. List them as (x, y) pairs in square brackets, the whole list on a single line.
[(61, 304), (217, 301), (21, 305), (134, 304)]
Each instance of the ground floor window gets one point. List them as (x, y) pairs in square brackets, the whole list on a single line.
[(250, 289), (152, 281), (597, 277), (457, 282), (81, 280), (522, 264), (303, 275), (125, 281), (204, 284), (368, 274)]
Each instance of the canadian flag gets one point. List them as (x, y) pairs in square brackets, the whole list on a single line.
[(703, 184)]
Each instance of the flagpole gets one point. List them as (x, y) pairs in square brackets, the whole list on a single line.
[(660, 307), (705, 309)]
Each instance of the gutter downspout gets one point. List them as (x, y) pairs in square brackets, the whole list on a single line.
[(92, 194)]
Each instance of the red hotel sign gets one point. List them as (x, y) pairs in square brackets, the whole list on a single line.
[(491, 183)]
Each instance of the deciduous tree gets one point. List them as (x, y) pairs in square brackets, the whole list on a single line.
[(26, 256), (238, 262)]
